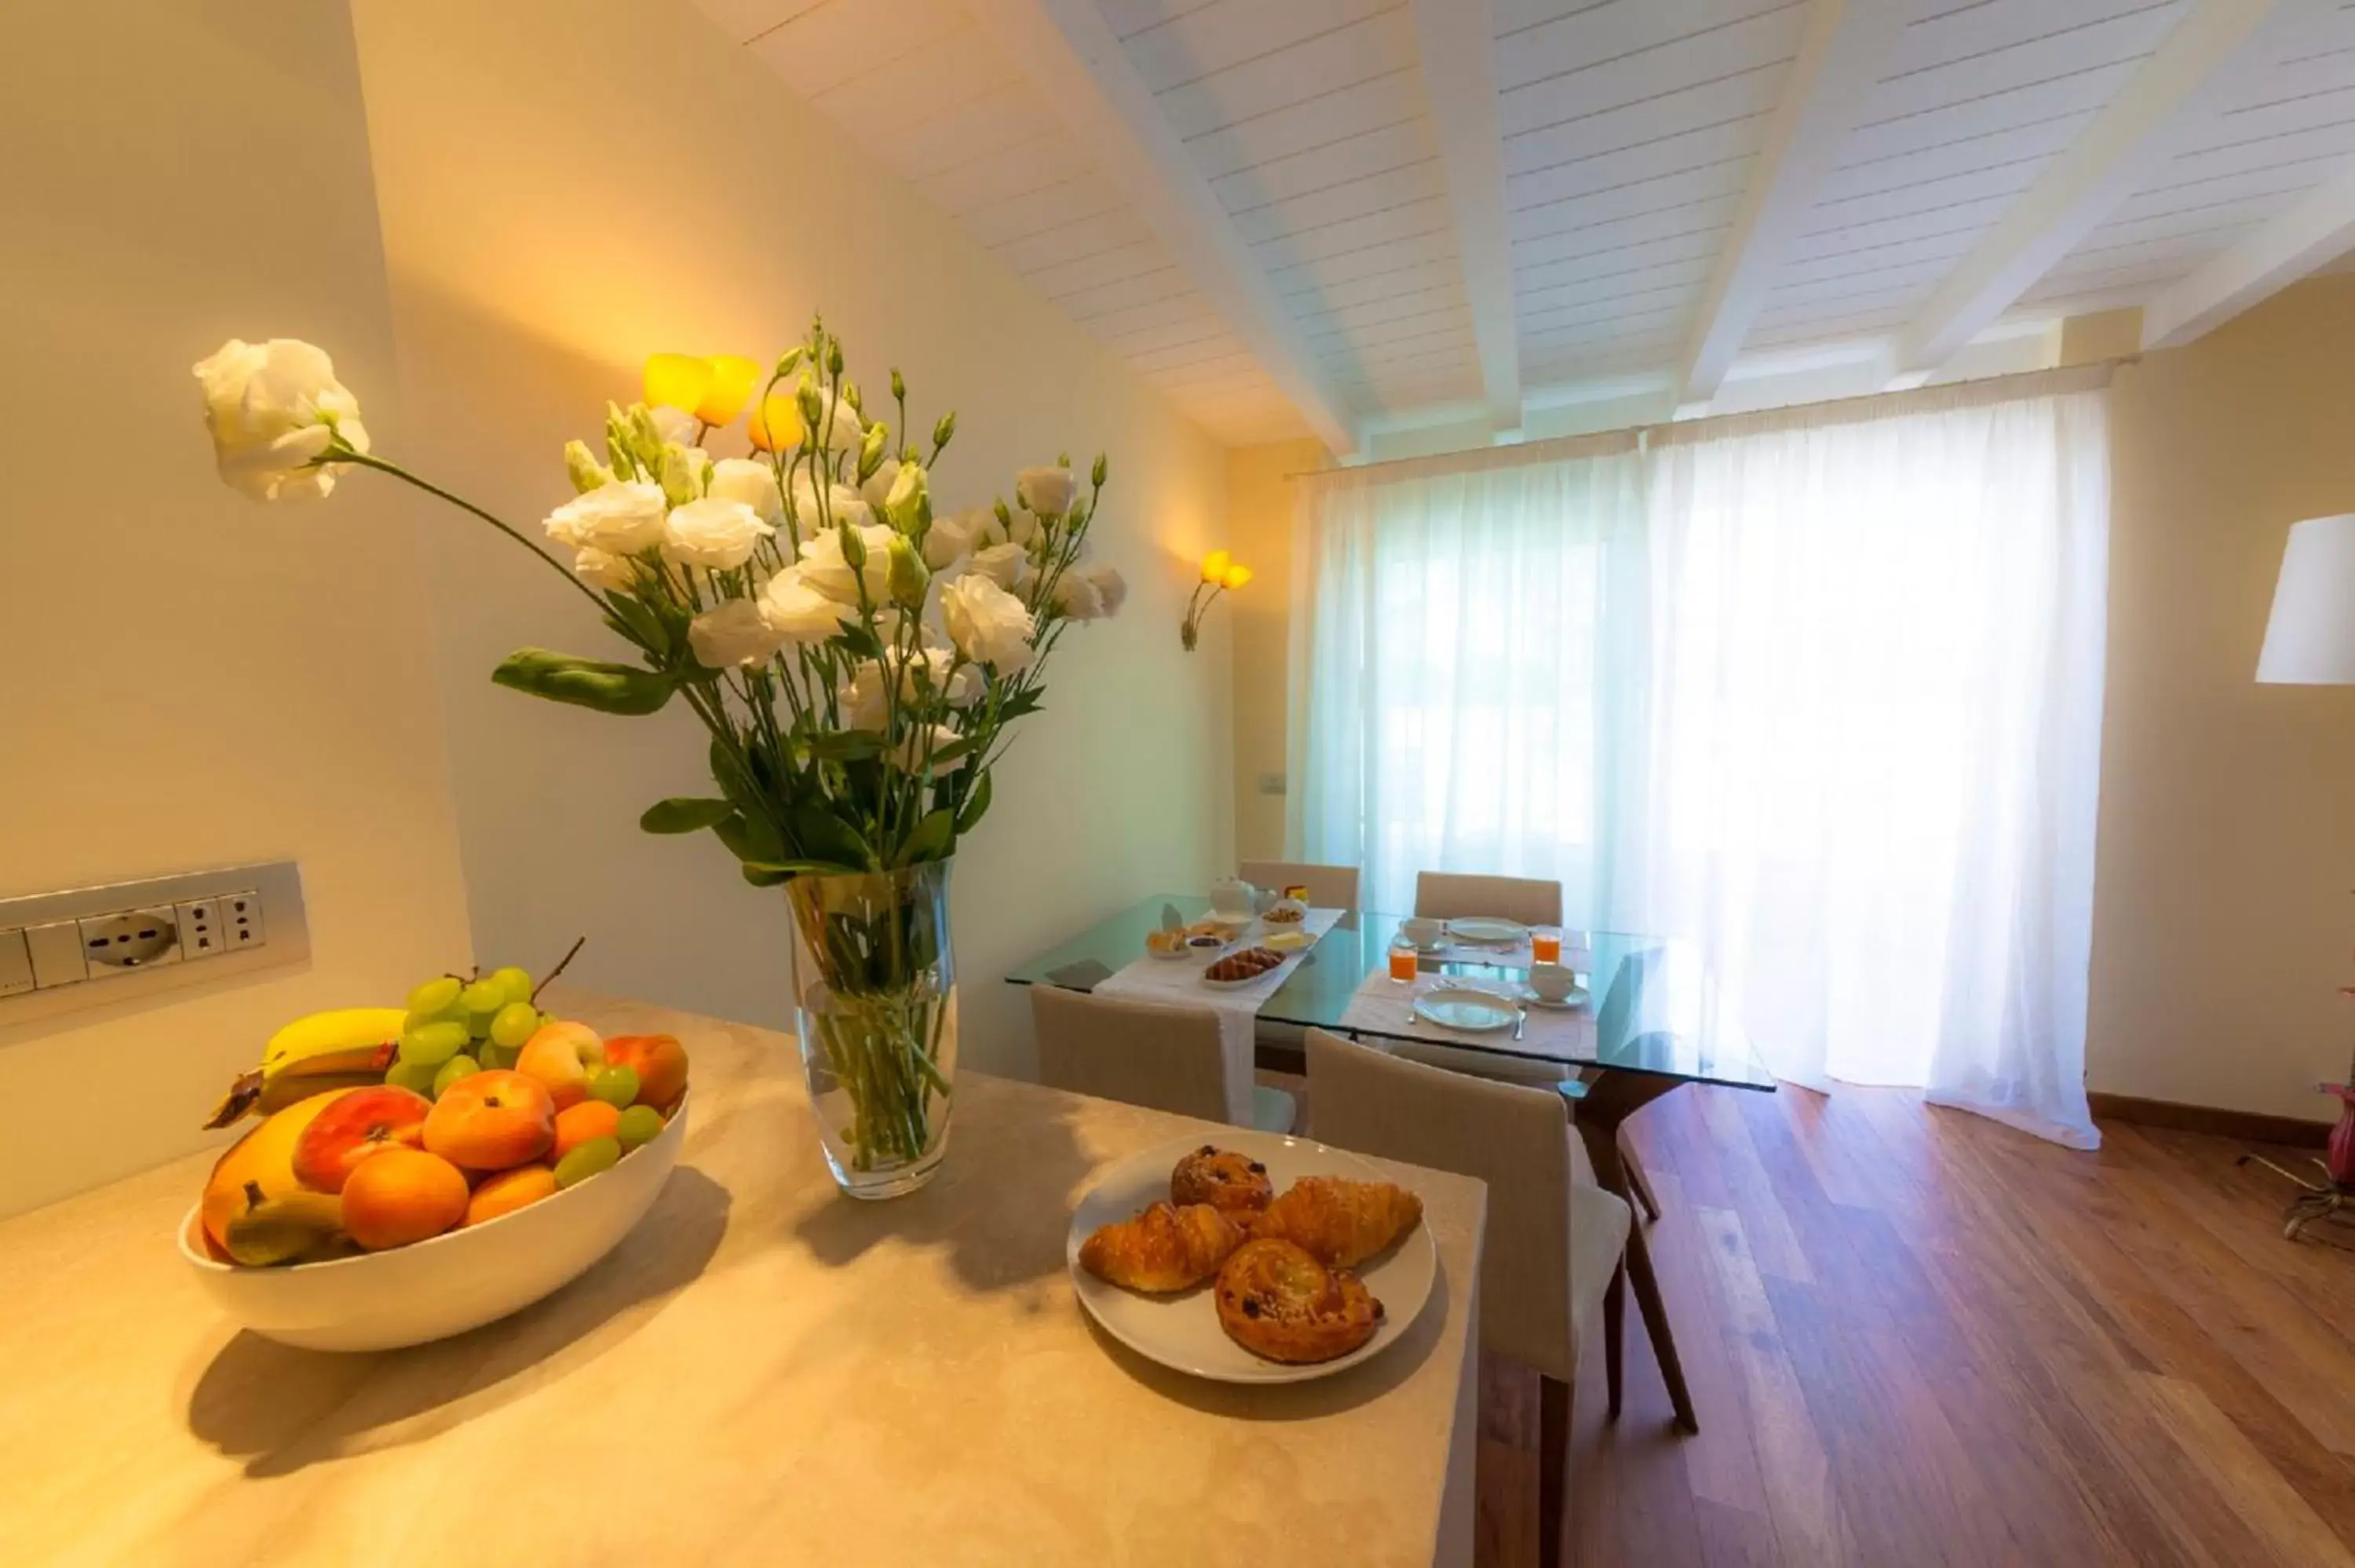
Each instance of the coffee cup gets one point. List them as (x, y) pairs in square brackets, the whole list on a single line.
[(1422, 930), (1554, 982)]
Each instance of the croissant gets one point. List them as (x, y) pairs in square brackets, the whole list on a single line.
[(1234, 1183), (1161, 1248), (1276, 1301), (1342, 1223)]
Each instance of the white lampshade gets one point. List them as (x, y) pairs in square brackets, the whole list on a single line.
[(2310, 639)]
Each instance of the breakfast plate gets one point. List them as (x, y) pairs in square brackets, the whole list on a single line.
[(1482, 928), (1182, 1331), (1466, 1008)]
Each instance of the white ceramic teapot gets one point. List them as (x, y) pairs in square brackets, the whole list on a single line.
[(1233, 895)]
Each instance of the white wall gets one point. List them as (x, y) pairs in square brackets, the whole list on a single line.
[(195, 679), (578, 184)]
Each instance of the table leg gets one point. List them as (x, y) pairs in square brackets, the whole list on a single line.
[(1609, 1101)]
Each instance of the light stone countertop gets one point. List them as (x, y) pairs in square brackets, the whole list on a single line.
[(761, 1372)]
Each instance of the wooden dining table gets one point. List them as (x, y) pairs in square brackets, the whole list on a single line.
[(762, 1372), (1653, 1022)]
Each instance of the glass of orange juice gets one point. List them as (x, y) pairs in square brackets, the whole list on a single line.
[(1402, 962), (1545, 945)]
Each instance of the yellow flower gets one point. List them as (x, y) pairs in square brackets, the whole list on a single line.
[(776, 424), (1236, 575), (731, 388), (676, 380), (1215, 565)]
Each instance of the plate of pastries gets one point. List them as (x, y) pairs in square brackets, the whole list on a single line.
[(1252, 1257)]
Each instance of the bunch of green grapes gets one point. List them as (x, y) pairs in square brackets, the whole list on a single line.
[(457, 1027)]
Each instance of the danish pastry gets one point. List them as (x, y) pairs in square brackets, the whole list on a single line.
[(1342, 1223), (1161, 1248), (1234, 1184), (1278, 1303)]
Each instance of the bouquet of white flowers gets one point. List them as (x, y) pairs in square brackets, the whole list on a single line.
[(856, 659)]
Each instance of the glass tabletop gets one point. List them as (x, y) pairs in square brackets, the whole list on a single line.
[(1652, 1007)]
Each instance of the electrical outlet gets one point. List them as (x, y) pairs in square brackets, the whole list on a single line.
[(201, 932), (241, 913), (16, 964), (144, 938)]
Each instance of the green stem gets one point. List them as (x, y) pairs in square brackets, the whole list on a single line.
[(345, 454)]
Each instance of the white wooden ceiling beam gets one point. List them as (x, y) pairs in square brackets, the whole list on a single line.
[(1069, 54), (1845, 49), (1457, 41), (2319, 229), (2209, 56)]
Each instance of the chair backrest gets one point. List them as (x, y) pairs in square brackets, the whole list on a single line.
[(1330, 886), (1165, 1058), (1446, 895), (1516, 1140)]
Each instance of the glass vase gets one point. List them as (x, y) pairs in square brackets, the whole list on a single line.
[(875, 999)]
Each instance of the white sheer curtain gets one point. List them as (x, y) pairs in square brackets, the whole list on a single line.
[(1819, 689)]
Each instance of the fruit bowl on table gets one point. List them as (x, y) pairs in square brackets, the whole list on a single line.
[(449, 1283)]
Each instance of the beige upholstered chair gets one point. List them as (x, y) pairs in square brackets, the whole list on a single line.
[(1555, 1239), (1445, 895), (1330, 886), (1168, 1058)]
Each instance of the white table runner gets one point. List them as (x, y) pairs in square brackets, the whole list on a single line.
[(1178, 982), (1383, 1006)]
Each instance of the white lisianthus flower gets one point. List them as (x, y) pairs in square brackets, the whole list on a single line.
[(950, 538), (1008, 566), (1076, 596), (825, 568), (753, 483), (799, 613), (843, 504), (1048, 492), (272, 408), (908, 755), (1021, 530), (877, 489), (734, 633), (594, 567), (859, 700), (988, 625), (959, 685), (620, 518), (674, 425), (713, 531), (1111, 587)]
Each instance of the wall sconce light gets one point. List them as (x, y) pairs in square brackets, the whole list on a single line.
[(1220, 571), (714, 390)]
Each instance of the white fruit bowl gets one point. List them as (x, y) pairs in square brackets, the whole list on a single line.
[(451, 1283)]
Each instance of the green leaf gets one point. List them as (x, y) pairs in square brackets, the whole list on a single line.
[(750, 839), (943, 756), (821, 835), (976, 801), (684, 814), (583, 682), (931, 838), (760, 875), (636, 621), (846, 746), (861, 641)]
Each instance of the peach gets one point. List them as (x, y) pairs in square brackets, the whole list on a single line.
[(660, 1061), (398, 1196), (492, 1119), (576, 1124), (360, 1124), (510, 1191), (560, 1055)]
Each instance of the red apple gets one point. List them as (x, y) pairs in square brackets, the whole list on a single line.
[(358, 1125), (490, 1120), (660, 1061), (560, 1057)]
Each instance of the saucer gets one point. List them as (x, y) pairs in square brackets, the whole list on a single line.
[(1578, 998)]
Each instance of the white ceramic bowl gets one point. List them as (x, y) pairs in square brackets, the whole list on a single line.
[(455, 1281)]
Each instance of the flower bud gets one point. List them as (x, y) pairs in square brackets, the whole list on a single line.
[(908, 577), (646, 439), (1005, 516), (870, 451), (850, 395), (1096, 474), (944, 429), (807, 398), (617, 443), (787, 361), (581, 466), (854, 548), (678, 476), (908, 506), (898, 386), (1063, 460), (834, 358)]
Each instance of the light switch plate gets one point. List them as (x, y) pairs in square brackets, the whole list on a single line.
[(272, 930)]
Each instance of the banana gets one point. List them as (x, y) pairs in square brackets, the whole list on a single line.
[(289, 1227), (349, 1048)]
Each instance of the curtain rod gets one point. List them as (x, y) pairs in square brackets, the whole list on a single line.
[(1537, 449)]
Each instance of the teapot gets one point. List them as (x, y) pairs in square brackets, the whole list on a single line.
[(1233, 895)]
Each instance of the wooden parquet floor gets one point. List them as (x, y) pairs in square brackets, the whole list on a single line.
[(1915, 1337)]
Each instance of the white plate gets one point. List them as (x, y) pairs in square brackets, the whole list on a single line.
[(1182, 1331), (1236, 984), (1481, 928), (1466, 1008), (1577, 998)]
